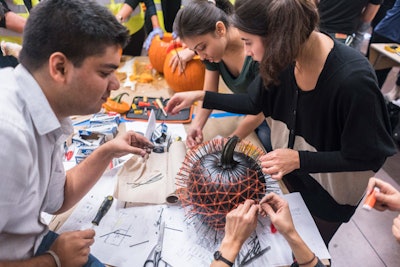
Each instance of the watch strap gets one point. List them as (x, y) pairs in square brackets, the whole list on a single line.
[(218, 257)]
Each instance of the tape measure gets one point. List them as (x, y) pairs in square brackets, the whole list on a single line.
[(393, 49)]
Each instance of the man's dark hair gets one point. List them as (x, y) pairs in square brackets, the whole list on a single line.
[(76, 28)]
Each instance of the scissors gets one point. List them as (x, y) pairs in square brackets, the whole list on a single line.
[(154, 257)]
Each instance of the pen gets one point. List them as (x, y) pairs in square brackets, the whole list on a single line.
[(160, 104), (370, 199), (105, 206)]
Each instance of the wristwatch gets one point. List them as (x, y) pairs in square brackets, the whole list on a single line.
[(218, 257)]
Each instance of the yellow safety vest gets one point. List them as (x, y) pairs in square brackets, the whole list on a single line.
[(135, 21), (19, 8), (160, 15)]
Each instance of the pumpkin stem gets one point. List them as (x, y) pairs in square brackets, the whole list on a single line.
[(227, 161), (118, 97)]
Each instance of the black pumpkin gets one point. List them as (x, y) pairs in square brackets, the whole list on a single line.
[(215, 178)]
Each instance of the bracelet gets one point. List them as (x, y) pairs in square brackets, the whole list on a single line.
[(308, 262), (55, 257)]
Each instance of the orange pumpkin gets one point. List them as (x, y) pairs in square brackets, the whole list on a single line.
[(158, 51), (192, 78)]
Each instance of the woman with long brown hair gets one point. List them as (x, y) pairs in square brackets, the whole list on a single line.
[(329, 124)]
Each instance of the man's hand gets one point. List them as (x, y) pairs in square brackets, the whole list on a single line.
[(130, 142), (73, 248)]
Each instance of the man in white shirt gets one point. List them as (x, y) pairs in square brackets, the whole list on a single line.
[(71, 49)]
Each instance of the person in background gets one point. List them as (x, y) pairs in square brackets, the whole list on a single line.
[(347, 21), (166, 12), (242, 221), (387, 198), (11, 27), (71, 71), (130, 13), (221, 49), (388, 31), (329, 123), (2, 12)]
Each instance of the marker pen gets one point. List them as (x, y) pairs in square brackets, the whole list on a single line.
[(370, 199)]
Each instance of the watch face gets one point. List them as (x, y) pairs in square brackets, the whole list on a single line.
[(217, 255)]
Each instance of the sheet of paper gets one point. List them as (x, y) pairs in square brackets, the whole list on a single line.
[(151, 181), (151, 125), (305, 225), (125, 236), (186, 242), (281, 254)]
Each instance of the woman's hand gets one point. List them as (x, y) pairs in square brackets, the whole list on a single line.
[(181, 58), (194, 137), (183, 100), (280, 162), (277, 209), (241, 222)]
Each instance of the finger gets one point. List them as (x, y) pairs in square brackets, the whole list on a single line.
[(262, 212), (380, 207), (382, 198), (266, 163), (140, 139), (172, 61), (190, 142), (266, 198), (174, 65), (138, 151), (267, 208), (274, 200), (182, 67), (277, 176), (253, 211), (269, 170), (269, 156), (247, 204), (169, 107), (87, 233), (395, 227), (176, 109), (371, 185), (199, 139)]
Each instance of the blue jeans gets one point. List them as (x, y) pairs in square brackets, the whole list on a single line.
[(264, 134), (48, 241)]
